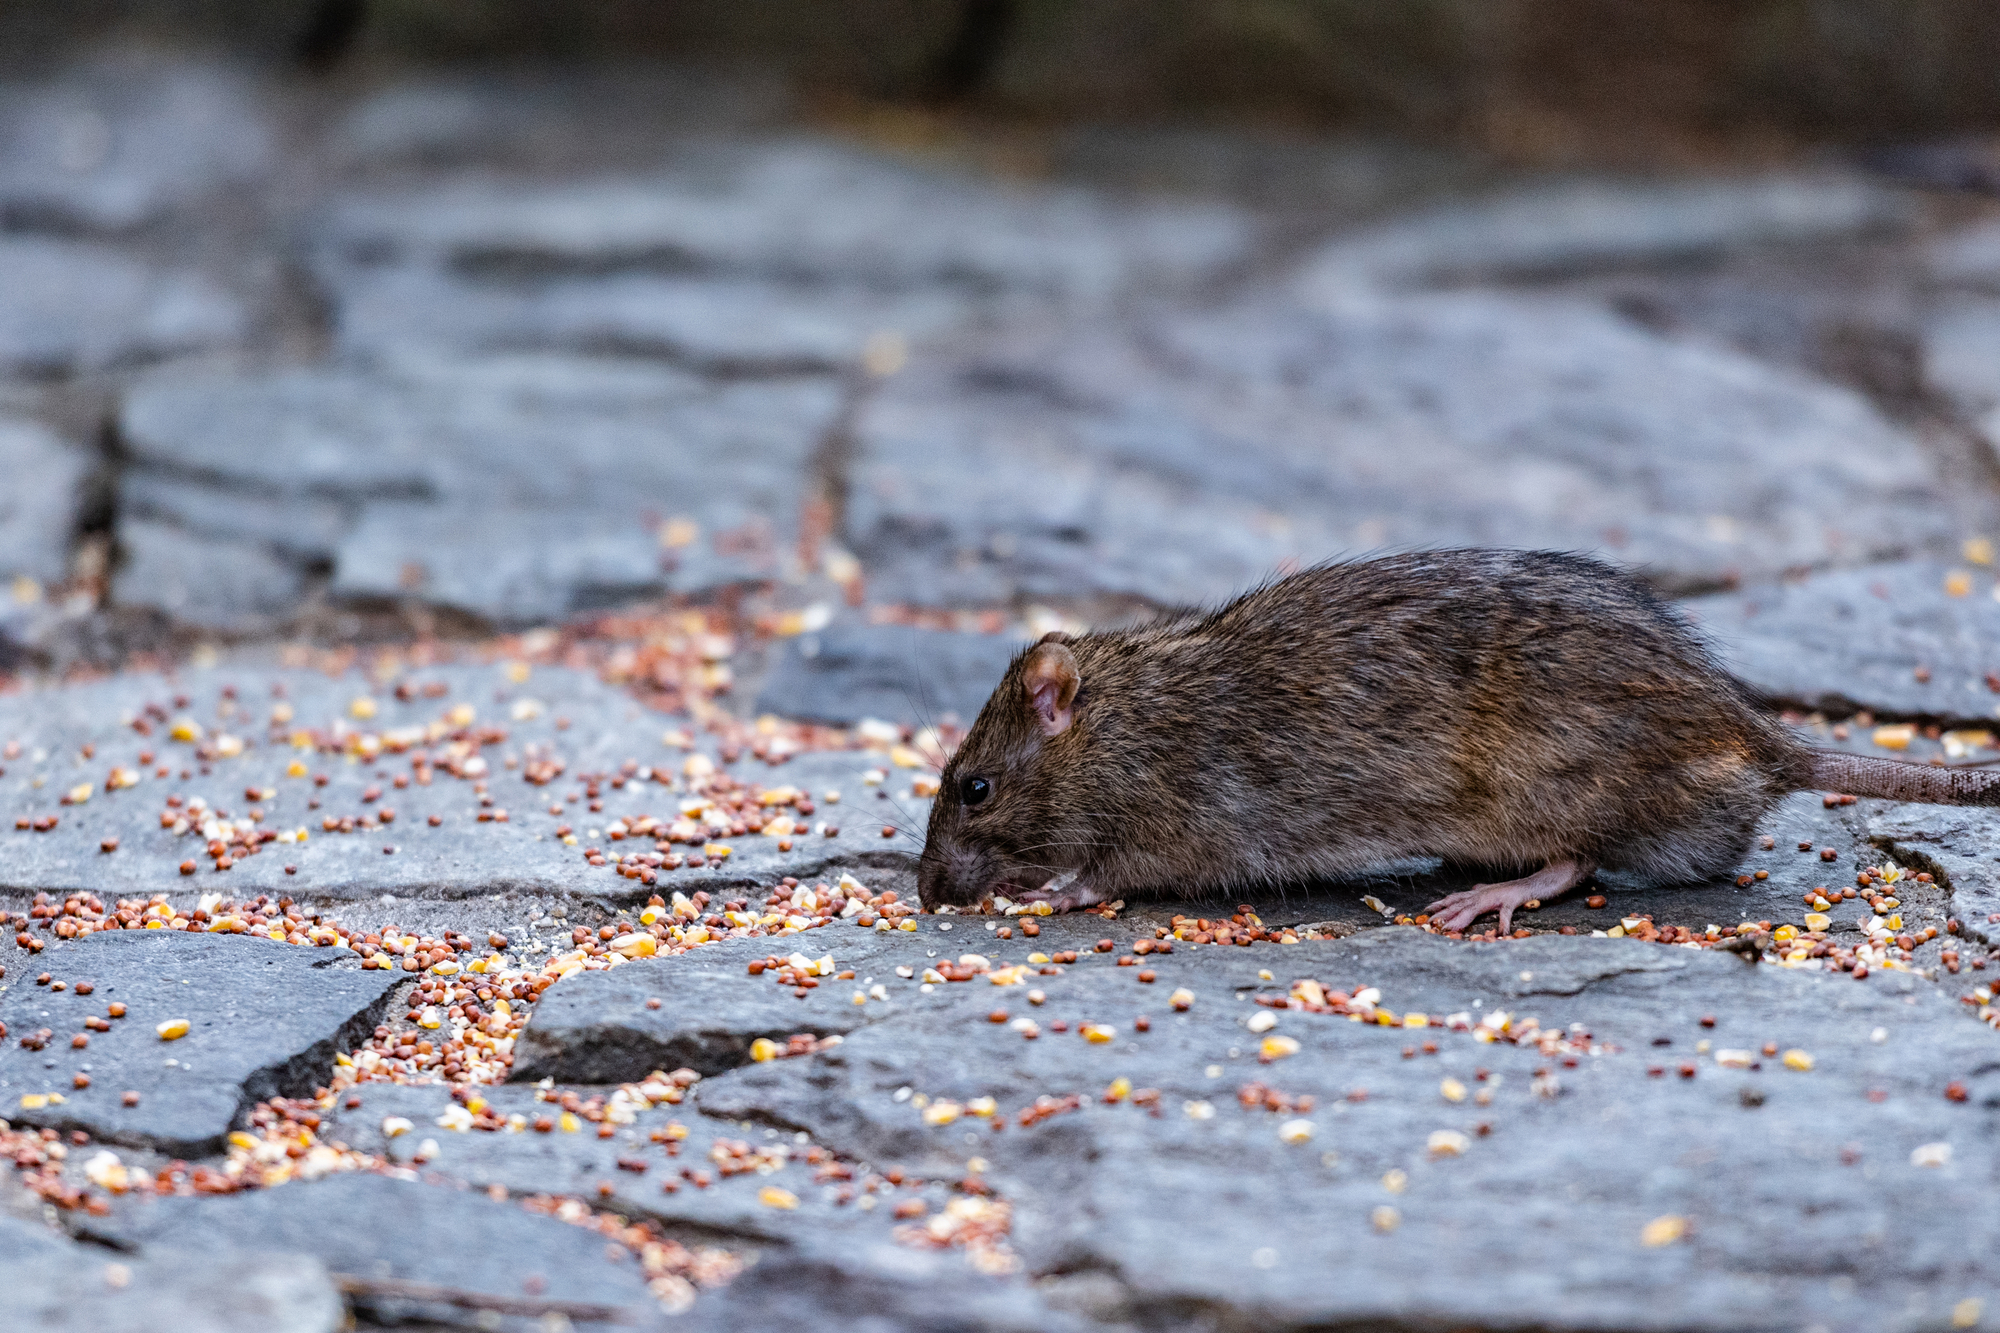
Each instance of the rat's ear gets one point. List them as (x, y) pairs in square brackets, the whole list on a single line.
[(1050, 681)]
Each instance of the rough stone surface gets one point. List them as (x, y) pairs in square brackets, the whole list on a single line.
[(1779, 1227), (502, 350), (1853, 639), (514, 489), (1957, 845), (69, 308), (848, 672), (265, 1020), (1183, 461), (605, 1031), (374, 1227), (59, 1286), (816, 1261), (460, 858)]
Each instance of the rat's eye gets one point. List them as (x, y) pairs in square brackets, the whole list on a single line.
[(974, 790)]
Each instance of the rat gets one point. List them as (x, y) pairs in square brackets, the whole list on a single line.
[(1537, 711)]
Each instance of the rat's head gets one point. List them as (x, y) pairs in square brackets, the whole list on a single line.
[(1000, 823)]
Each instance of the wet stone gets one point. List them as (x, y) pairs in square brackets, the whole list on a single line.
[(59, 1286), (567, 715), (374, 1227), (265, 1020), (849, 671), (70, 308), (1853, 639), (1182, 461)]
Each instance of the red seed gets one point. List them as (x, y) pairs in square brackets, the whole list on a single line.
[(187, 867), (130, 1099)]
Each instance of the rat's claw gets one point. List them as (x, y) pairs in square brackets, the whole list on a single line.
[(1063, 893), (1459, 910)]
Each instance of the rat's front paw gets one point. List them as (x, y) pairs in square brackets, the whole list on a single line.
[(1064, 893), (1459, 910)]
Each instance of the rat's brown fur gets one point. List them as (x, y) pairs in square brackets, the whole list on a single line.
[(1493, 708)]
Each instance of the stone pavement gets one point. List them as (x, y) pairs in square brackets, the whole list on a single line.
[(520, 550)]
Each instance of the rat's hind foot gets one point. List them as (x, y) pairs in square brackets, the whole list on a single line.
[(1460, 910), (1063, 893)]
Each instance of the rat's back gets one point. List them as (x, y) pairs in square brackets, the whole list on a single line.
[(1488, 707)]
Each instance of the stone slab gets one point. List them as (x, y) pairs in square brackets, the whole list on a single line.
[(604, 1030), (460, 858), (59, 1286), (1184, 458), (1956, 845), (1543, 1211), (1569, 228), (716, 325), (265, 1021), (301, 529), (1850, 639), (513, 489), (69, 308), (1961, 343), (851, 671), (1967, 257), (119, 141), (201, 579), (41, 504), (817, 1260), (805, 210), (374, 1226)]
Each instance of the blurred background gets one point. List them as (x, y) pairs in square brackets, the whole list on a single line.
[(337, 321)]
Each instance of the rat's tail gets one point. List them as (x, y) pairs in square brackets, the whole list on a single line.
[(1897, 780)]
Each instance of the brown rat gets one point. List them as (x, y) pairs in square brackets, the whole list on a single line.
[(1524, 709)]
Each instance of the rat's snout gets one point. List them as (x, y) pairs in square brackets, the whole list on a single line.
[(936, 883), (950, 875)]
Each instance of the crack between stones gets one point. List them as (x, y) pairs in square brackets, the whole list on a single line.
[(1907, 854)]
